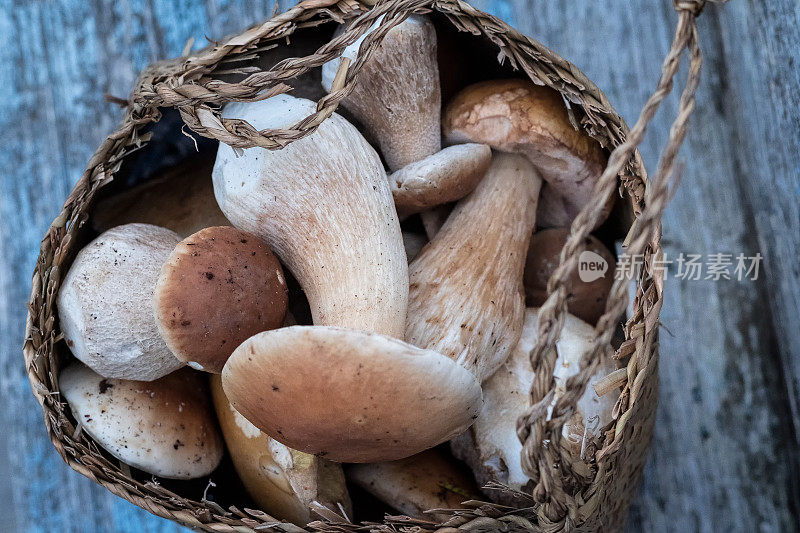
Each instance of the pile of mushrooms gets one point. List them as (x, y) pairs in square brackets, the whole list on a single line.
[(178, 317)]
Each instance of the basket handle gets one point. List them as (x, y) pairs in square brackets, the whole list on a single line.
[(539, 433)]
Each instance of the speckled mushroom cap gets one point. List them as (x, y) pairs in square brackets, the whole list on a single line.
[(491, 447), (420, 483), (397, 96), (446, 176), (516, 115), (348, 395), (219, 286), (586, 297), (283, 481), (105, 303), (164, 427)]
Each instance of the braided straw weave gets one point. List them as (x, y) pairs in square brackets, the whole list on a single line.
[(569, 493)]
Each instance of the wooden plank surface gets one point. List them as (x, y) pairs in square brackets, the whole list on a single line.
[(725, 454)]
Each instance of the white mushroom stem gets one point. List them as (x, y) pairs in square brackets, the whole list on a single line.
[(323, 205), (491, 446), (397, 95), (466, 298)]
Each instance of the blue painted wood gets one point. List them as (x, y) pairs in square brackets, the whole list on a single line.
[(725, 456)]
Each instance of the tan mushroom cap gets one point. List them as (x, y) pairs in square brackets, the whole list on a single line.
[(348, 395), (466, 296), (491, 447), (105, 303), (397, 96), (420, 483), (446, 176), (181, 200), (164, 427), (281, 480), (586, 299), (218, 287), (519, 116)]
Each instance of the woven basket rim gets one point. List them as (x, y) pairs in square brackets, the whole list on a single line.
[(542, 65)]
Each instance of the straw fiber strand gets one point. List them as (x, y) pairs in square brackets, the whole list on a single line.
[(569, 493)]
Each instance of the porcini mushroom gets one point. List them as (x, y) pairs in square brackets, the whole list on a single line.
[(323, 205), (491, 447), (587, 287), (164, 427), (420, 483), (181, 200), (446, 176), (397, 95), (218, 287), (518, 116), (466, 295), (283, 481), (105, 303), (348, 395)]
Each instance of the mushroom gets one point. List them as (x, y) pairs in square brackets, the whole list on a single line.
[(347, 395), (323, 205), (491, 447), (218, 287), (105, 303), (181, 200), (466, 296), (434, 219), (590, 283), (446, 176), (397, 95), (164, 427), (518, 116), (283, 481), (418, 484)]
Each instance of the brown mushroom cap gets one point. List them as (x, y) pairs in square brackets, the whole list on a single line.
[(164, 427), (349, 395), (585, 299), (281, 480), (519, 116), (420, 483), (446, 176), (218, 287)]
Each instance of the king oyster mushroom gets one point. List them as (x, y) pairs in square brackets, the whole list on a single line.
[(105, 303), (518, 116), (491, 447), (283, 481), (466, 296), (323, 205)]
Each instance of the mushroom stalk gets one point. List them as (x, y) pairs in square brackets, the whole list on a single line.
[(466, 297), (323, 205), (397, 95)]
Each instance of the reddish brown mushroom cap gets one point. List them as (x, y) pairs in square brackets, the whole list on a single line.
[(586, 298), (348, 395), (218, 287)]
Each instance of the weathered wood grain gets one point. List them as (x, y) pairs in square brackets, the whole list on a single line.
[(726, 444), (724, 457)]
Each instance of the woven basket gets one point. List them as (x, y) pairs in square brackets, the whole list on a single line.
[(570, 494)]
